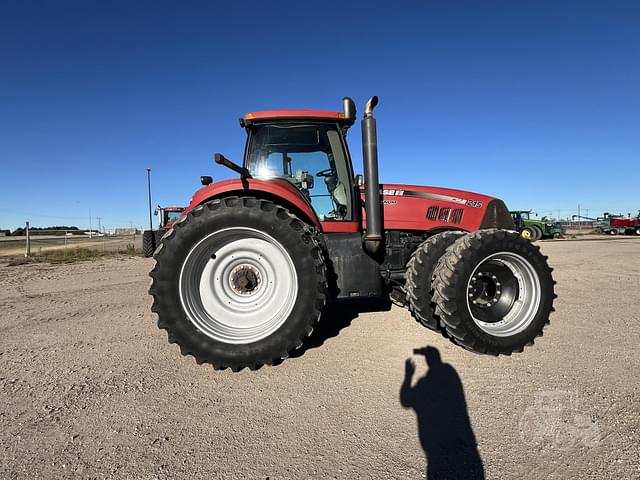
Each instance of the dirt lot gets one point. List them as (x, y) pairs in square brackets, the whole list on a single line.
[(89, 387)]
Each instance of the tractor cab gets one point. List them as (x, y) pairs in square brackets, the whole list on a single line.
[(519, 216), (167, 216), (308, 149)]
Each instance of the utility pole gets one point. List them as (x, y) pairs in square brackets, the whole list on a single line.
[(579, 224), (149, 185), (90, 233), (99, 224), (28, 245)]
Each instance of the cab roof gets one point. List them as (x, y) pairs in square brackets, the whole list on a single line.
[(296, 114)]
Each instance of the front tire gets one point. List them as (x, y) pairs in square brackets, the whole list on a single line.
[(238, 282), (528, 234), (494, 292)]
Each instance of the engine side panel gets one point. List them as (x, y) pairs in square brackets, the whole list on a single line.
[(423, 208)]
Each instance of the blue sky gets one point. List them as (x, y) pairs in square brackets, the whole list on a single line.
[(537, 102)]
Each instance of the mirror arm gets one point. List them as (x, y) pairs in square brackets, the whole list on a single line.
[(221, 160)]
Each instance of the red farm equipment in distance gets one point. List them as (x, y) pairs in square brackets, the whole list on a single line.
[(611, 224), (167, 216), (243, 276), (619, 225)]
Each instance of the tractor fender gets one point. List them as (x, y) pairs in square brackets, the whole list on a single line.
[(277, 190)]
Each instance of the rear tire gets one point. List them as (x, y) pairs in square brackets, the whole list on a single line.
[(419, 275), (238, 282), (148, 243), (494, 292)]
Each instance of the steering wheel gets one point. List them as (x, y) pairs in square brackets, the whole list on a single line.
[(325, 173)]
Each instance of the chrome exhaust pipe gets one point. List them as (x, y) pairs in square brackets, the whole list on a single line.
[(373, 237)]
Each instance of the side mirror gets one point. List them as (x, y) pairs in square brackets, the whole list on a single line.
[(206, 180), (359, 180)]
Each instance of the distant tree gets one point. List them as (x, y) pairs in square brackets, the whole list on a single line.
[(44, 230)]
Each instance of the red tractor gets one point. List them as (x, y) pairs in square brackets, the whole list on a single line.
[(243, 276), (167, 216)]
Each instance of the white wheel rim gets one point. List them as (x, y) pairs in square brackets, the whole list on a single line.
[(526, 304), (216, 295)]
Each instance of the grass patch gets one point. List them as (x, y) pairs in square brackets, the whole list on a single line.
[(77, 254)]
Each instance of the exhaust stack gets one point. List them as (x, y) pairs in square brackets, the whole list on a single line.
[(373, 238)]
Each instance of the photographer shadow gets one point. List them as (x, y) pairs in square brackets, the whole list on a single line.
[(444, 426)]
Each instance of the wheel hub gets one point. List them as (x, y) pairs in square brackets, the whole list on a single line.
[(485, 289), (491, 291), (503, 293), (245, 279), (238, 285)]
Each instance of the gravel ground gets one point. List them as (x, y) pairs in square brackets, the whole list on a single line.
[(89, 387)]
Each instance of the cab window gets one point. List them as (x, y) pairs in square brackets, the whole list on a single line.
[(309, 156)]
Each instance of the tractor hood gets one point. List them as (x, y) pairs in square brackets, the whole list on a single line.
[(414, 207)]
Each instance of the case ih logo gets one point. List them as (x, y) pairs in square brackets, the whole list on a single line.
[(392, 192)]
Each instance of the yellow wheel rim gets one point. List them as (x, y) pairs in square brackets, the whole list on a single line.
[(526, 234)]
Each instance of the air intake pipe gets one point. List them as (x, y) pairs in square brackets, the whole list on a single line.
[(349, 109), (373, 237)]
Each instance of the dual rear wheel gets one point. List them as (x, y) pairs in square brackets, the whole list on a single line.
[(490, 291)]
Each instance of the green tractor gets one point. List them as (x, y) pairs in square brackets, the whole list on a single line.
[(534, 229)]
